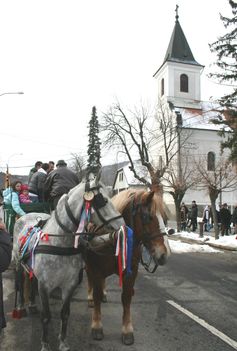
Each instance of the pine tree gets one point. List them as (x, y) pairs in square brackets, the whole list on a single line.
[(226, 49), (94, 154)]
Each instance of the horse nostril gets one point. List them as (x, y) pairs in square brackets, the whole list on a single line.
[(162, 259)]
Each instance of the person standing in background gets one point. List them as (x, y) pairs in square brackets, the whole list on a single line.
[(37, 183), (37, 166), (51, 166), (5, 260), (59, 182)]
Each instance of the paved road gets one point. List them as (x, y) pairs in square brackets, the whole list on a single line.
[(204, 285)]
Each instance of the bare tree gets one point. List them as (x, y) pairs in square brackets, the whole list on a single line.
[(139, 133), (221, 178), (129, 131), (78, 165)]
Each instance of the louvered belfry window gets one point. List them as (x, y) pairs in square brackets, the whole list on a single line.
[(184, 83), (162, 86)]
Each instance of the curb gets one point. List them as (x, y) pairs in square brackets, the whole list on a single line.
[(201, 242)]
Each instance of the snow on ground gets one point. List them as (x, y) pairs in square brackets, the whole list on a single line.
[(177, 246)]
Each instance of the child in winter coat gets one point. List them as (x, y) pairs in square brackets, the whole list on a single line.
[(11, 197), (24, 195)]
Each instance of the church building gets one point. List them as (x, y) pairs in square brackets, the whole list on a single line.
[(179, 84)]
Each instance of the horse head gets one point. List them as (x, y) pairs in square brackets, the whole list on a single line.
[(152, 230), (143, 211), (103, 208)]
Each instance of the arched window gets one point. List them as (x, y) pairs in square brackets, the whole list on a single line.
[(162, 86), (211, 161), (184, 83)]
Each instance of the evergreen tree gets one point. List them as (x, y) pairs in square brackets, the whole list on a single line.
[(226, 50), (94, 155)]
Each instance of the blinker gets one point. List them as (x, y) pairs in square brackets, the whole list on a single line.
[(99, 201)]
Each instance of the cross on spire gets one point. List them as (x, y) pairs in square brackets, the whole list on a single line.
[(177, 13)]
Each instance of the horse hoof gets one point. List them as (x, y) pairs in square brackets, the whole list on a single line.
[(104, 299), (97, 334), (33, 309), (128, 339), (63, 346), (90, 303), (45, 347), (19, 313)]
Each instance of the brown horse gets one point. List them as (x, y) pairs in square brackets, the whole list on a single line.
[(142, 211)]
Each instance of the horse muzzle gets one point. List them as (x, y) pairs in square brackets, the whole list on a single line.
[(160, 260)]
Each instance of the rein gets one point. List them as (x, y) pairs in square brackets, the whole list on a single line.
[(146, 218)]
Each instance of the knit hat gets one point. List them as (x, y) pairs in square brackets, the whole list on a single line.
[(24, 187), (61, 163)]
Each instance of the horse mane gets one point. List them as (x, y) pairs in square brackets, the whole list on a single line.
[(122, 199)]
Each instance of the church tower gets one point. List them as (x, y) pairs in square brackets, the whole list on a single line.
[(179, 75)]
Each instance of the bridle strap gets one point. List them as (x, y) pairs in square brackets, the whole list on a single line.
[(63, 227), (69, 213)]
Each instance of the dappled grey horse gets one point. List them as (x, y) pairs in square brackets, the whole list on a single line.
[(61, 269)]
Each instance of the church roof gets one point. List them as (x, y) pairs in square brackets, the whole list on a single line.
[(179, 49)]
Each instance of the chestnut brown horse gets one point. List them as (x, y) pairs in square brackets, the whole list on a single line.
[(142, 212)]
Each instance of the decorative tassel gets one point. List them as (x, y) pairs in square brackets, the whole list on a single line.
[(129, 250)]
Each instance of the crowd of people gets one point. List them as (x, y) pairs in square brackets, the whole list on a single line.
[(45, 184), (188, 218)]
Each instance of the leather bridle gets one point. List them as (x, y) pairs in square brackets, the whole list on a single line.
[(98, 202)]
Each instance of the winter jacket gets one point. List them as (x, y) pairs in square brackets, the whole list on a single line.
[(206, 215), (11, 197), (5, 250), (5, 260), (37, 183), (24, 199), (225, 216), (234, 216), (194, 212), (59, 182)]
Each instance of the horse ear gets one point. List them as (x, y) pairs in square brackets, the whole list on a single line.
[(149, 197), (98, 176)]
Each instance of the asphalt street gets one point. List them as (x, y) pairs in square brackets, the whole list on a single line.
[(203, 285)]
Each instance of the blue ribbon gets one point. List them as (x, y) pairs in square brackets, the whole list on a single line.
[(129, 250)]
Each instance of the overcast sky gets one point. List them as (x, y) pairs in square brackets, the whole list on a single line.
[(67, 56)]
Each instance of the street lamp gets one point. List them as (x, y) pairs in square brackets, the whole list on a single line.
[(16, 93)]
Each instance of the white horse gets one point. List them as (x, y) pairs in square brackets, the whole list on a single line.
[(60, 269)]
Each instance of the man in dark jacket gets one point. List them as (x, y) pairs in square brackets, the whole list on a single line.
[(38, 164), (225, 216), (5, 260), (193, 215), (59, 182), (37, 182)]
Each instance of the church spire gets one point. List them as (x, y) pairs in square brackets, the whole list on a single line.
[(178, 49)]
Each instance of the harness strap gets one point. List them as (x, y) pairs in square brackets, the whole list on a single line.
[(69, 213), (54, 250), (63, 227)]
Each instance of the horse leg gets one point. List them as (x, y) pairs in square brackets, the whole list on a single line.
[(96, 326), (45, 317), (104, 298), (89, 288), (65, 312), (33, 290), (19, 309), (126, 297)]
